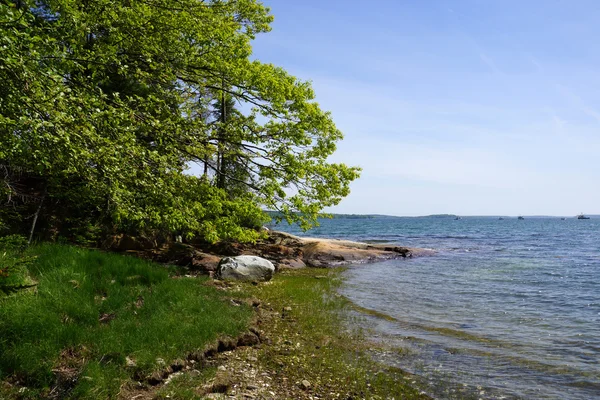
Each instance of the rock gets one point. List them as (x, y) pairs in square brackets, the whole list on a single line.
[(248, 339), (130, 362), (215, 396), (305, 385), (204, 262), (295, 263), (245, 268), (178, 253), (331, 252)]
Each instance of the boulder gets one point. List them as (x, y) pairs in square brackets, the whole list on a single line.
[(204, 262), (245, 268), (292, 263)]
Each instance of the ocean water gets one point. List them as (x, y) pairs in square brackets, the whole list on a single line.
[(504, 309)]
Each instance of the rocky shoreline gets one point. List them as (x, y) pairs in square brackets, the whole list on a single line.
[(275, 363), (295, 348), (284, 250)]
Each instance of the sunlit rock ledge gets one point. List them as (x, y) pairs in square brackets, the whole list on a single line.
[(282, 249)]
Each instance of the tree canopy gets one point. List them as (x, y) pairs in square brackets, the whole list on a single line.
[(104, 104)]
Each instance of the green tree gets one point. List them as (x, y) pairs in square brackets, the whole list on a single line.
[(98, 99)]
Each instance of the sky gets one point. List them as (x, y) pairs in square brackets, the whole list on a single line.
[(470, 107)]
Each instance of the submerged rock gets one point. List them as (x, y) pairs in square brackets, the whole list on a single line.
[(245, 268)]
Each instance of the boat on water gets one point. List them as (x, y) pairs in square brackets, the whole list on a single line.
[(519, 217), (457, 218), (563, 218), (500, 219), (582, 216)]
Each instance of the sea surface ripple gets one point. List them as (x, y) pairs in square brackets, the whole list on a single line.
[(505, 309)]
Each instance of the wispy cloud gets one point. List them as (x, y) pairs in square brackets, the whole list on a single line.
[(487, 60), (578, 102)]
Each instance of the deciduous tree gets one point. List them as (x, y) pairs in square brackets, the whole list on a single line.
[(98, 99)]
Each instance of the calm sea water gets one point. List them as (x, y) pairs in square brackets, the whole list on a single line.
[(504, 309)]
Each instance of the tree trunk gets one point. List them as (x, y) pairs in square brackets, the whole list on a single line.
[(220, 155), (35, 217)]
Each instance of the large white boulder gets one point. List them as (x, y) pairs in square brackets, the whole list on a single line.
[(245, 268)]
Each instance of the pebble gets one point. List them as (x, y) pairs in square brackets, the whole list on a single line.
[(305, 385), (221, 368)]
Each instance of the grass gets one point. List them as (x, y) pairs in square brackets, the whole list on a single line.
[(92, 312), (14, 275)]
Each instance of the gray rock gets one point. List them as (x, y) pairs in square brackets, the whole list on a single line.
[(305, 385), (245, 268)]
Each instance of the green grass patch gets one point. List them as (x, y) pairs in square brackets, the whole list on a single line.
[(14, 275), (313, 340), (92, 310)]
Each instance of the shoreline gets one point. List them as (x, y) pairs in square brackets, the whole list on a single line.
[(302, 346), (284, 250), (328, 252), (307, 344), (307, 350)]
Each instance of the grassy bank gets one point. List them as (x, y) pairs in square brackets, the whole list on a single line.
[(97, 325), (97, 320)]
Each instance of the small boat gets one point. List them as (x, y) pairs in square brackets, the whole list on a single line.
[(519, 217), (563, 218), (581, 216), (457, 218), (500, 219)]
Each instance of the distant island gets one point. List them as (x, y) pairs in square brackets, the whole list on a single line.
[(277, 214), (439, 216)]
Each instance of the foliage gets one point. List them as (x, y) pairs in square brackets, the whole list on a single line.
[(94, 309), (104, 104)]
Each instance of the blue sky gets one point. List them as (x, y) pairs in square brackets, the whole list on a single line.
[(469, 107)]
